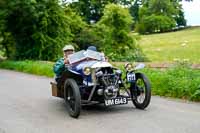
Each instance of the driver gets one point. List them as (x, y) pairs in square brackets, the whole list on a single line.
[(59, 66)]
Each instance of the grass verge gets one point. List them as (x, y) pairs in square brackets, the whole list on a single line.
[(43, 68), (177, 82)]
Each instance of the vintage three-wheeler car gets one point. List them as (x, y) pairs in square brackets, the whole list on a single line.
[(88, 79)]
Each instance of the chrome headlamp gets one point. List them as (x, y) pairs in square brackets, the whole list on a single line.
[(129, 67), (87, 71)]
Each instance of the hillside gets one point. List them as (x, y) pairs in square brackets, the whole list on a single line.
[(167, 47)]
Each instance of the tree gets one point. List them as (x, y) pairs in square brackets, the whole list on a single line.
[(6, 40), (115, 25), (90, 10), (134, 9), (152, 6), (180, 19), (157, 16), (156, 23), (77, 27), (39, 27), (90, 35)]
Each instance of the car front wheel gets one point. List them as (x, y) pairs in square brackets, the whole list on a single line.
[(141, 92)]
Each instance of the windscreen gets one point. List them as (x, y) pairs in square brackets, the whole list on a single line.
[(83, 55)]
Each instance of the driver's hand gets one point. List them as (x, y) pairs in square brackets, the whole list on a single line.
[(66, 61)]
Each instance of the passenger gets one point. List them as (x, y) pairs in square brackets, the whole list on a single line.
[(93, 48), (103, 57)]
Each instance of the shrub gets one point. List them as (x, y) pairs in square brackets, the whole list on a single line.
[(179, 81)]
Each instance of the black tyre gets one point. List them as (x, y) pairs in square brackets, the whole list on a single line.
[(72, 97), (141, 91)]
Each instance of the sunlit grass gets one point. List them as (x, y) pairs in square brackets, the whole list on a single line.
[(167, 47)]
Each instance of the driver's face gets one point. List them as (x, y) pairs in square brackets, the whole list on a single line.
[(68, 52)]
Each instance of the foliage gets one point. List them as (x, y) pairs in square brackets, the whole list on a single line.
[(115, 25), (134, 9), (90, 10), (155, 23), (112, 35), (180, 19), (179, 82), (4, 37), (160, 16), (8, 45), (39, 28), (75, 22), (89, 35), (116, 17)]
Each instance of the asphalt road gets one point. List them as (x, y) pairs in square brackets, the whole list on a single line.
[(26, 106)]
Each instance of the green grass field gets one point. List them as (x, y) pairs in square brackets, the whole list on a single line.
[(167, 47)]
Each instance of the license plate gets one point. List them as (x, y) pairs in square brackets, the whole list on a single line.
[(131, 77), (116, 101)]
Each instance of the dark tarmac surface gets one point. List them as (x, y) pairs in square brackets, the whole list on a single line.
[(26, 106)]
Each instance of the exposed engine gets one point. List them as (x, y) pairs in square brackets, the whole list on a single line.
[(109, 82)]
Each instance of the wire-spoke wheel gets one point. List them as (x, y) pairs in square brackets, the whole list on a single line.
[(72, 97), (141, 93)]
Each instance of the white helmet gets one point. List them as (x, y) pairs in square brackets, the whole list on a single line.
[(68, 47)]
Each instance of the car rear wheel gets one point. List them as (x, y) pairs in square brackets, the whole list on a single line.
[(72, 97)]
